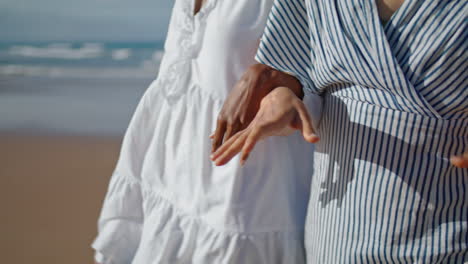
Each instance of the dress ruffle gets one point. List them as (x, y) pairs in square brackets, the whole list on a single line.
[(174, 236), (169, 235), (121, 221)]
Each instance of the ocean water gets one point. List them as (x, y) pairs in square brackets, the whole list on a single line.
[(74, 88), (85, 59)]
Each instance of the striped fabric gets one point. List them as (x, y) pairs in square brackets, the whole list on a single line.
[(395, 110)]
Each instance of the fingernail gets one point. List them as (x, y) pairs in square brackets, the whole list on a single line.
[(313, 138), (244, 159)]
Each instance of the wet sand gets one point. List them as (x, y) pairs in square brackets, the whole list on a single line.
[(51, 190)]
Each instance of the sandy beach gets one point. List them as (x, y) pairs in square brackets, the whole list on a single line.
[(51, 189), (66, 99)]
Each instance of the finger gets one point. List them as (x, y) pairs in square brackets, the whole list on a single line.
[(231, 151), (307, 129), (225, 146), (212, 136), (460, 161), (228, 133), (249, 145), (232, 130), (244, 159), (218, 135)]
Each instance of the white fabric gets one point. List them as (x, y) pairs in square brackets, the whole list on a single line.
[(167, 202)]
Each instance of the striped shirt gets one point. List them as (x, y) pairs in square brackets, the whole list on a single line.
[(395, 109)]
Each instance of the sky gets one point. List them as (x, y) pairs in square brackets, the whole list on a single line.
[(84, 20)]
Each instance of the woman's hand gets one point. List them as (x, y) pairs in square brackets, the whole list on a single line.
[(280, 113), (243, 102), (460, 161)]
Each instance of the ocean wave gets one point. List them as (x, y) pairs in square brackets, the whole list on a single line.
[(117, 61), (143, 71), (59, 51), (121, 54)]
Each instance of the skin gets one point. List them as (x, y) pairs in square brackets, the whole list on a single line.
[(387, 8), (276, 114), (460, 161), (281, 112), (198, 5), (243, 102)]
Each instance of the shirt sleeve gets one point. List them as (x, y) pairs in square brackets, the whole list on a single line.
[(285, 44)]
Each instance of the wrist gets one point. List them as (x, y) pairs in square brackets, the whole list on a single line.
[(271, 78), (289, 81)]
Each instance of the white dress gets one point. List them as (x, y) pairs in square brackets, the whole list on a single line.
[(167, 202)]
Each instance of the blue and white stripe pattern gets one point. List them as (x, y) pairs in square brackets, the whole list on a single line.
[(395, 109)]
